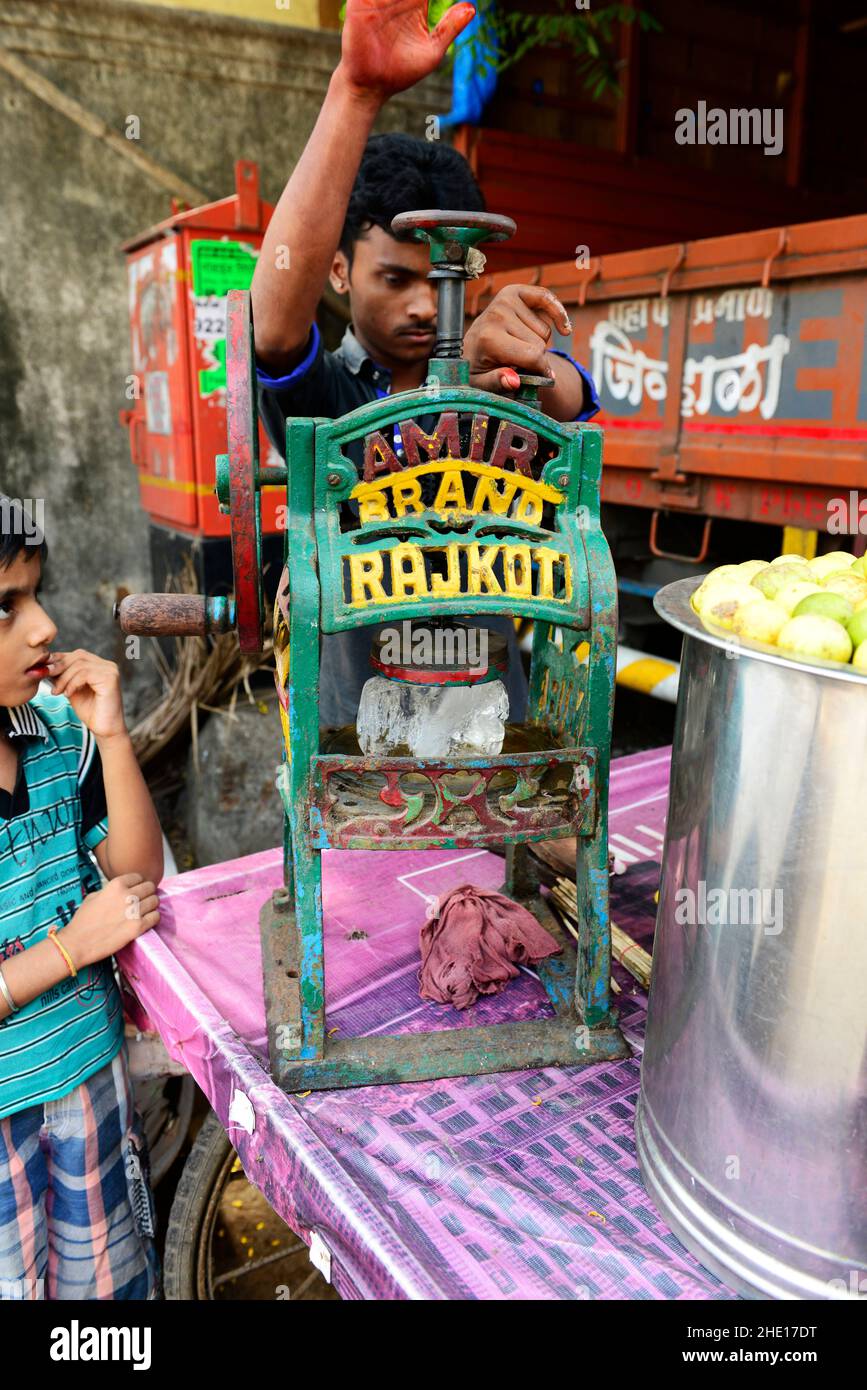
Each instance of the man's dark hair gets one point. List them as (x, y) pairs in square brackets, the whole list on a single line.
[(19, 532), (399, 173)]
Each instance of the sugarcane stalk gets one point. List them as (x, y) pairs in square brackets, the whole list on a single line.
[(624, 949)]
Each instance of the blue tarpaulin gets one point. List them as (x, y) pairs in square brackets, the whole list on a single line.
[(474, 79)]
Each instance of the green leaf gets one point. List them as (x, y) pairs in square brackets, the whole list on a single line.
[(590, 37)]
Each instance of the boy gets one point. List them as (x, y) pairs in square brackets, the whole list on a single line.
[(76, 1213), (334, 218)]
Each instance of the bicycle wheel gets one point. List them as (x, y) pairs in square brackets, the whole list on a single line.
[(223, 1240), (165, 1104)]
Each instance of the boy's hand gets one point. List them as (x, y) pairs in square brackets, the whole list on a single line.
[(92, 687), (388, 47), (512, 335), (111, 918)]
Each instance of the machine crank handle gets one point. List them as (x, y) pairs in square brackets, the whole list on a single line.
[(524, 384), (174, 615)]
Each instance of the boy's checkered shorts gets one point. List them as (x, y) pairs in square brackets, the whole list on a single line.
[(76, 1211)]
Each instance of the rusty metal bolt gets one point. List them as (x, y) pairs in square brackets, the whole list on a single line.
[(334, 480), (454, 251), (563, 480), (281, 897)]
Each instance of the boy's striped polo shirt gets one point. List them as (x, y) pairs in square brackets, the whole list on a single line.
[(55, 814)]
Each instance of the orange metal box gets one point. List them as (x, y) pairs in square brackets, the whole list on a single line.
[(179, 275)]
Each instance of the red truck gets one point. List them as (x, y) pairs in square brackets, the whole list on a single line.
[(732, 375)]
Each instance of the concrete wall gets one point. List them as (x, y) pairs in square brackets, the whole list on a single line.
[(207, 89), (303, 14)]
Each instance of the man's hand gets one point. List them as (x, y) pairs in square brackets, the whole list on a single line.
[(512, 335), (388, 47), (92, 687)]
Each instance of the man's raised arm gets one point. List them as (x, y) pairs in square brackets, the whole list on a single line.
[(386, 47)]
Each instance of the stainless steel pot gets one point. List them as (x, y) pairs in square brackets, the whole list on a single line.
[(752, 1119)]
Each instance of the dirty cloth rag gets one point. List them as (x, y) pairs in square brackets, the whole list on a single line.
[(473, 943)]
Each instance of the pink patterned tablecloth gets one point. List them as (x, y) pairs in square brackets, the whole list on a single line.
[(515, 1185)]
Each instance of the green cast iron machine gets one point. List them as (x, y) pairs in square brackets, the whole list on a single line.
[(423, 507)]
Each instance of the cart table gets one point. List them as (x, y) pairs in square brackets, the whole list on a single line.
[(520, 1185)]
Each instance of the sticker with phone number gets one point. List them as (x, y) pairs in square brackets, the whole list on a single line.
[(210, 316)]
